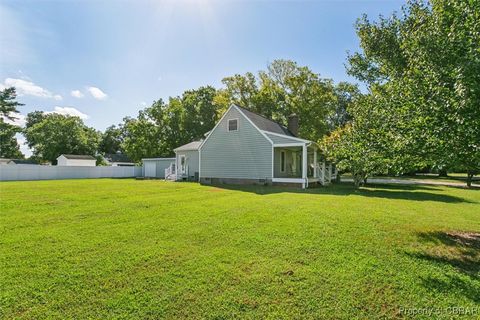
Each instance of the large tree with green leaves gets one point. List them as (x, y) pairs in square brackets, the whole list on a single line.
[(112, 139), (50, 135), (424, 66), (346, 94), (286, 88), (162, 127), (371, 142), (9, 147)]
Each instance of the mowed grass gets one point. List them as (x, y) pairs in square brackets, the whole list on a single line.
[(152, 249)]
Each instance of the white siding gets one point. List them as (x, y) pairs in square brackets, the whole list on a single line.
[(242, 154), (62, 161), (191, 158), (150, 169), (155, 168)]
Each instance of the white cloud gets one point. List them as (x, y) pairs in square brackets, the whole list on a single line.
[(77, 94), (97, 93), (25, 87), (69, 111), (20, 119)]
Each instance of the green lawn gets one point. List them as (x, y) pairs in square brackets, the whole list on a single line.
[(151, 249)]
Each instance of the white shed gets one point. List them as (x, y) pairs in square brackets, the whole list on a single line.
[(76, 160), (155, 167)]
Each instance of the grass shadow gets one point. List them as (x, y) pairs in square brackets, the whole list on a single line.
[(453, 283), (402, 187), (458, 250), (401, 192)]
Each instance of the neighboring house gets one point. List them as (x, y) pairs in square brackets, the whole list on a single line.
[(247, 148), (21, 161), (4, 161), (118, 160), (76, 160)]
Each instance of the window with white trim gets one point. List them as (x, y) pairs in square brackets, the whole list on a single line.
[(232, 124), (282, 161)]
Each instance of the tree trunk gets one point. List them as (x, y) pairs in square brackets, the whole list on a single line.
[(469, 179), (357, 180), (442, 173)]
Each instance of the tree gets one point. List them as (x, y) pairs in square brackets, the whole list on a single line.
[(346, 94), (348, 149), (359, 146), (8, 103), (142, 139), (9, 147), (112, 139), (50, 135), (285, 88), (425, 67), (162, 127)]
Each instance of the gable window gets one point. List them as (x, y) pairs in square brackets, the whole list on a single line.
[(282, 161), (233, 125)]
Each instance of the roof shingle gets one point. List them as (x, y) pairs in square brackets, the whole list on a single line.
[(78, 156), (189, 146), (266, 124)]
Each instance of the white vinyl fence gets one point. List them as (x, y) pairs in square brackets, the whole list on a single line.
[(37, 172)]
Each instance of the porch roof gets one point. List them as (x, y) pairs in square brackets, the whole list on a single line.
[(192, 146)]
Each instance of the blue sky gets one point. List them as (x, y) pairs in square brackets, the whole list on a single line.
[(104, 60)]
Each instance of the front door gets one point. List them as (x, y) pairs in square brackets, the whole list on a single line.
[(183, 164)]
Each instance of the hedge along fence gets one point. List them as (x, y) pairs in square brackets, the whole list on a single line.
[(37, 172)]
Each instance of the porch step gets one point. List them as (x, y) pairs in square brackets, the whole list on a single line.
[(172, 177)]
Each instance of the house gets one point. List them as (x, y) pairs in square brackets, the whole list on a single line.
[(247, 148), (76, 160), (22, 161), (118, 160), (4, 161)]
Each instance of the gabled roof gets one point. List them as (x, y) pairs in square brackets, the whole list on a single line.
[(78, 156), (266, 124), (189, 146), (117, 157)]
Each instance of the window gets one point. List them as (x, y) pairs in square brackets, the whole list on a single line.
[(233, 125), (282, 161)]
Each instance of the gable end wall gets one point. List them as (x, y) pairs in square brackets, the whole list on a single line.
[(242, 154)]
